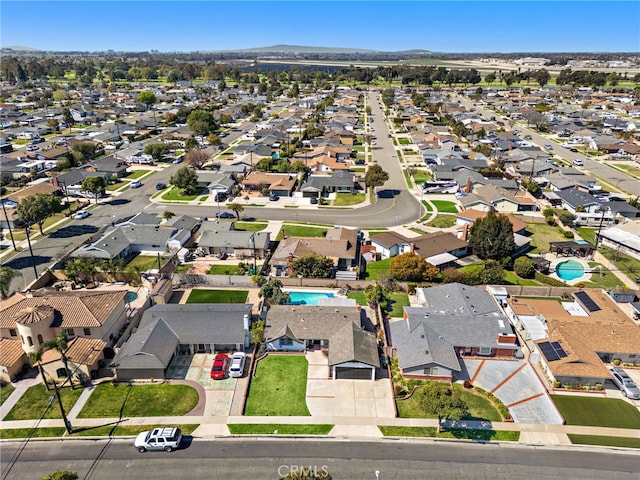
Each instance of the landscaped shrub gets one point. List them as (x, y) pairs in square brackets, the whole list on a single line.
[(568, 234), (598, 386), (548, 280), (556, 384), (523, 266), (504, 411), (616, 362)]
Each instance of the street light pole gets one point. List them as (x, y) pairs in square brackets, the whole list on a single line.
[(4, 209), (253, 243), (33, 261)]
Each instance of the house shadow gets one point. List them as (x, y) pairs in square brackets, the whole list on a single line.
[(25, 261), (74, 231), (463, 374)]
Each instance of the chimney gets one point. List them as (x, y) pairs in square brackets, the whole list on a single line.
[(290, 259), (467, 187), (412, 247)]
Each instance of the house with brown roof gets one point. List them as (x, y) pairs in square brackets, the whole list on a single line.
[(345, 332), (466, 218), (31, 190), (486, 197), (13, 359), (84, 357), (281, 184), (440, 249), (573, 340)]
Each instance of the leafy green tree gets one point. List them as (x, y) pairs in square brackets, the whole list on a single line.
[(35, 209), (298, 166), (257, 332), (156, 150), (375, 176), (443, 401), (490, 78), (201, 122), (453, 275), (542, 76), (236, 208), (67, 118), (213, 139), (185, 179), (272, 293), (148, 98), (84, 151), (489, 272), (567, 219), (7, 274), (168, 215), (492, 237), (411, 267), (375, 294), (523, 266), (96, 185), (388, 96), (53, 124), (313, 265)]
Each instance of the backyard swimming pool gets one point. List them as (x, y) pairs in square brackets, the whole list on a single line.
[(307, 298), (130, 297), (569, 270)]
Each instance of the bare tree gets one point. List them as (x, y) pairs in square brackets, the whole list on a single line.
[(197, 158)]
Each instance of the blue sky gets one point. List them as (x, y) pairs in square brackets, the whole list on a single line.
[(451, 26)]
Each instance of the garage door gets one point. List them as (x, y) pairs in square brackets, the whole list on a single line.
[(346, 373)]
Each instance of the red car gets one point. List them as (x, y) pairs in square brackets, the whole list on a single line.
[(219, 367)]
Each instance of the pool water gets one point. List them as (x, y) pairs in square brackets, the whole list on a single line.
[(569, 270), (307, 298), (130, 297)]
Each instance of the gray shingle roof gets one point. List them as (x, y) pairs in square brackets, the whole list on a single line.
[(152, 346), (421, 346)]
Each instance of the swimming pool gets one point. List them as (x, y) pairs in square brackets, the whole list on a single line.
[(307, 298), (130, 297), (569, 270)]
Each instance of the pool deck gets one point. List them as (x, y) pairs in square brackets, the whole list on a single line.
[(581, 260)]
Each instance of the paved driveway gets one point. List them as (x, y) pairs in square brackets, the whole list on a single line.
[(345, 398), (219, 393), (516, 384)]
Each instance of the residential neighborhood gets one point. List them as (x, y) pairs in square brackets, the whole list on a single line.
[(353, 248)]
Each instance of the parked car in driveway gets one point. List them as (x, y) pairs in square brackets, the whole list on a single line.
[(219, 367), (81, 214), (236, 368), (623, 381), (167, 439), (273, 197)]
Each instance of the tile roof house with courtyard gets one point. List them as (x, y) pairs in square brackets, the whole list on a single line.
[(344, 331), (182, 329), (574, 339), (456, 321)]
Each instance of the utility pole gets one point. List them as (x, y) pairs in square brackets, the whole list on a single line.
[(33, 261), (4, 209)]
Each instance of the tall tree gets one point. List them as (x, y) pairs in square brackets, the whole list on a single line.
[(156, 150), (411, 267), (313, 265), (272, 293), (201, 122), (35, 210), (96, 185), (7, 274), (443, 401), (492, 237), (375, 176), (197, 158), (236, 208), (148, 98), (185, 179)]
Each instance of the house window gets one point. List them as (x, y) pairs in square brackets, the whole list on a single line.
[(61, 372), (286, 342), (70, 332), (484, 351), (87, 331), (40, 340), (12, 332), (30, 341), (431, 371)]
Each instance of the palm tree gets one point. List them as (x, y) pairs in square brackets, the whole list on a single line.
[(236, 208), (60, 343), (7, 274)]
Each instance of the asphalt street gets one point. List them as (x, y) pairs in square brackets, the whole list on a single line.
[(239, 458)]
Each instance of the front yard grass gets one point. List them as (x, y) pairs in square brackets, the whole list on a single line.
[(175, 194), (421, 176), (479, 407), (250, 226), (442, 221), (278, 429), (588, 234), (124, 430), (543, 234), (347, 199), (134, 175), (146, 262), (34, 402), (222, 270), (625, 442), (302, 231), (597, 412), (110, 400), (278, 387), (8, 433), (464, 433), (374, 268), (5, 391), (445, 206), (198, 295)]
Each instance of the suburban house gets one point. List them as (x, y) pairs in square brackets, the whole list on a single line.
[(215, 182), (624, 237), (345, 332), (574, 339), (220, 237), (281, 184), (173, 329), (455, 321), (440, 249), (466, 218), (586, 208), (340, 181), (95, 319), (485, 197)]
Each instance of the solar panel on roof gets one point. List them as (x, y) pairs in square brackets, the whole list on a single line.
[(548, 351), (558, 349), (587, 301)]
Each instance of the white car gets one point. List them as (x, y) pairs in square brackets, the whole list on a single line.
[(236, 369), (81, 214), (167, 439), (625, 384), (136, 184)]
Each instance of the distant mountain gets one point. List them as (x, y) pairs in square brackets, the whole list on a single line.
[(19, 48), (299, 49)]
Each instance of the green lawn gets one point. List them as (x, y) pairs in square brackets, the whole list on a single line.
[(302, 231), (427, 206), (398, 300), (35, 400), (603, 278), (137, 174), (279, 387), (463, 433), (442, 221), (374, 267), (421, 176), (588, 234), (278, 429), (222, 270), (542, 234), (405, 141), (146, 262), (359, 297), (444, 206), (347, 199), (175, 194), (217, 296), (625, 263), (513, 279), (124, 430), (110, 400), (597, 412), (625, 442), (9, 433), (250, 226), (5, 391), (479, 407)]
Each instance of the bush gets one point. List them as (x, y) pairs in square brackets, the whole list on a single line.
[(616, 362), (504, 411), (598, 387), (551, 221), (568, 234), (548, 212), (567, 219), (556, 384), (548, 280), (523, 266)]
